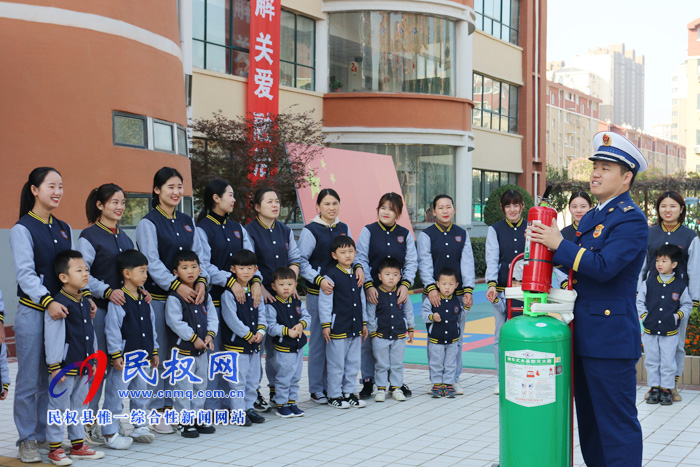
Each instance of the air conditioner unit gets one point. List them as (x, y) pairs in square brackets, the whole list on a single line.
[(696, 149)]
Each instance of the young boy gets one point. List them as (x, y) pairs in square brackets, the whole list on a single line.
[(68, 340), (128, 328), (286, 320), (388, 323), (195, 327), (442, 323), (243, 333), (661, 302), (343, 316)]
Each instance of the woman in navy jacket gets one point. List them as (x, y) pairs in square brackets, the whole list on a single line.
[(379, 240), (160, 235), (275, 247)]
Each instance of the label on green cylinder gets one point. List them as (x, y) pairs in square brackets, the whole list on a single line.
[(530, 377)]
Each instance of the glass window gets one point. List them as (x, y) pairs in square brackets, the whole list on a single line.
[(181, 141), (298, 53), (499, 18), (163, 136), (484, 182), (391, 52), (129, 130), (495, 104), (137, 206), (423, 171), (220, 33)]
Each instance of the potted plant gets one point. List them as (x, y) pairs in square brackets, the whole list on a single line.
[(336, 85)]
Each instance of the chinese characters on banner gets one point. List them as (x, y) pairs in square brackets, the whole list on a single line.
[(263, 78)]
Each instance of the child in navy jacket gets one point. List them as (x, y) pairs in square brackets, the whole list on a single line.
[(442, 323), (129, 328), (662, 301), (243, 333), (343, 317), (68, 340), (195, 327), (286, 320), (388, 323)]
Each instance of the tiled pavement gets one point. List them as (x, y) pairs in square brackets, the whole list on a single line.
[(421, 431)]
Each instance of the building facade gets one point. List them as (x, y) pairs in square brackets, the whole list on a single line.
[(685, 104), (447, 88), (96, 90), (613, 74), (572, 120), (663, 156)]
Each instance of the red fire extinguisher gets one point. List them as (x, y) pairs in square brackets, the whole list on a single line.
[(537, 271)]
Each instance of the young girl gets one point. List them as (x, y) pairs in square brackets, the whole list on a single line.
[(384, 239), (445, 245), (221, 238), (670, 212), (579, 204), (315, 250), (275, 247), (504, 241), (35, 240), (100, 244), (160, 235)]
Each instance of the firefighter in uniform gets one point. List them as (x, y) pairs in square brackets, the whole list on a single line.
[(606, 256)]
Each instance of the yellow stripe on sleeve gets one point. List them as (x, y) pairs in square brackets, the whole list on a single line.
[(579, 255)]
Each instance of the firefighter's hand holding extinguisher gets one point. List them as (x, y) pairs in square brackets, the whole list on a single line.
[(549, 236)]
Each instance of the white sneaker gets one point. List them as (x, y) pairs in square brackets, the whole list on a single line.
[(29, 452), (398, 395), (496, 390), (163, 427), (380, 396), (93, 435), (142, 435), (118, 442), (458, 389)]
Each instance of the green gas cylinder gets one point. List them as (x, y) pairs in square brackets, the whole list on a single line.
[(535, 392)]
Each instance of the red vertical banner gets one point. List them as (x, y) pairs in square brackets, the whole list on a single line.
[(263, 78)]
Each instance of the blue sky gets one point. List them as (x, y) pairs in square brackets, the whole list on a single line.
[(655, 29)]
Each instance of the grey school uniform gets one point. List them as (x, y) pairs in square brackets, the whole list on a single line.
[(4, 369), (658, 298), (289, 357), (440, 247), (190, 322), (315, 250), (242, 323), (504, 241), (443, 337), (345, 312), (154, 233), (127, 333), (388, 322), (35, 289), (68, 340)]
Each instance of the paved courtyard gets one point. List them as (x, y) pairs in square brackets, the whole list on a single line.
[(421, 431)]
